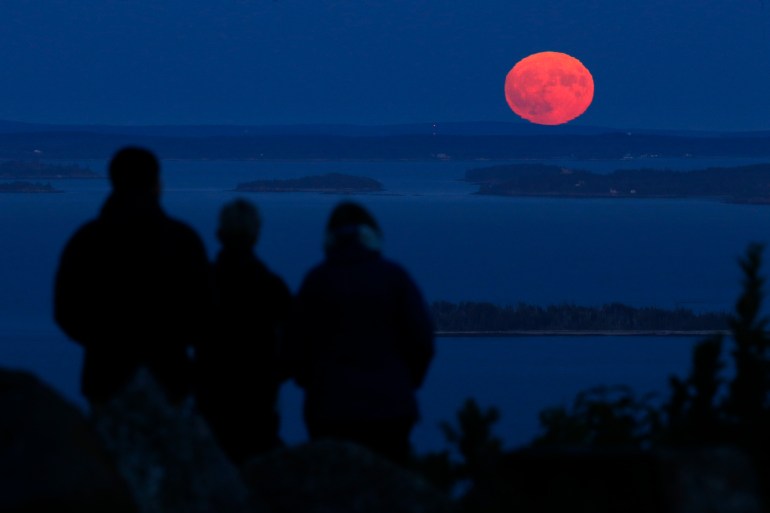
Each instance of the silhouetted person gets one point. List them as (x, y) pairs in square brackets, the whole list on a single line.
[(133, 286), (361, 340), (239, 373)]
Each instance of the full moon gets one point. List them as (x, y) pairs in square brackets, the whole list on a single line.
[(549, 88)]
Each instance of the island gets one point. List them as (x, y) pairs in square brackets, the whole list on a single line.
[(37, 169), (328, 183), (740, 184), (470, 318), (27, 187)]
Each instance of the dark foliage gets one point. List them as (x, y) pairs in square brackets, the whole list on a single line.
[(702, 410), (691, 413), (601, 417), (749, 390), (473, 450)]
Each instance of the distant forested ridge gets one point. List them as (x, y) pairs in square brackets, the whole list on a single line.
[(83, 144), (740, 184), (27, 187), (36, 169), (488, 317), (332, 182)]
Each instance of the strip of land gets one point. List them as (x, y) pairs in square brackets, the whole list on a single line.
[(328, 183), (27, 187), (34, 169), (738, 184), (482, 319), (582, 333)]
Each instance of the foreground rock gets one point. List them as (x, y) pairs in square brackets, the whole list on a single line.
[(167, 455), (326, 476), (50, 458), (697, 480), (720, 479)]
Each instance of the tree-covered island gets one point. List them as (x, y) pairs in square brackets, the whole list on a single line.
[(470, 318), (37, 170), (328, 183), (27, 187), (741, 184)]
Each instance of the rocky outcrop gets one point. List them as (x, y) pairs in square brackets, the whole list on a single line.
[(50, 458), (720, 479), (697, 480), (167, 455), (342, 477), (142, 454)]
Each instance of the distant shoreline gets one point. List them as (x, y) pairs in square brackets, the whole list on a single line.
[(328, 183), (735, 184), (579, 333), (34, 169), (621, 145), (20, 187)]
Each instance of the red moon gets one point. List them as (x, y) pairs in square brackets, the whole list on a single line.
[(549, 88)]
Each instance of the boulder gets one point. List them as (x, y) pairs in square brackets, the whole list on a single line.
[(694, 480), (719, 479), (50, 457), (167, 454), (342, 477)]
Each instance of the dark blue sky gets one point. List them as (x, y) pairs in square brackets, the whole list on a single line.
[(669, 64)]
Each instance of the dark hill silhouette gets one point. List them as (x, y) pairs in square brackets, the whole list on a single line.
[(479, 317), (27, 187), (420, 142), (37, 169), (515, 127), (331, 182), (741, 184)]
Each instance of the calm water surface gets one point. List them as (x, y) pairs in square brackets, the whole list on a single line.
[(458, 246)]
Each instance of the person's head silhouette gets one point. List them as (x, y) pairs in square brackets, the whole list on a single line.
[(349, 213), (135, 171), (351, 224), (239, 224)]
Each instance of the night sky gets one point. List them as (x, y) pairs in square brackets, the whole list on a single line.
[(662, 64)]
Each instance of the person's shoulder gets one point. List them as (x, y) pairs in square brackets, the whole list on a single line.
[(179, 225), (398, 276), (183, 230), (316, 275), (279, 287), (273, 279), (182, 239), (276, 279), (393, 267), (86, 232)]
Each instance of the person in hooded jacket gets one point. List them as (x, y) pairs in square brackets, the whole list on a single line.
[(133, 286), (361, 340), (238, 373)]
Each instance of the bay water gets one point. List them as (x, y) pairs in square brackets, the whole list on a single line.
[(457, 245)]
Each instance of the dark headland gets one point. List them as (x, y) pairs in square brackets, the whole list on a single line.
[(483, 319), (27, 187), (33, 169), (417, 142), (740, 184), (328, 183)]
